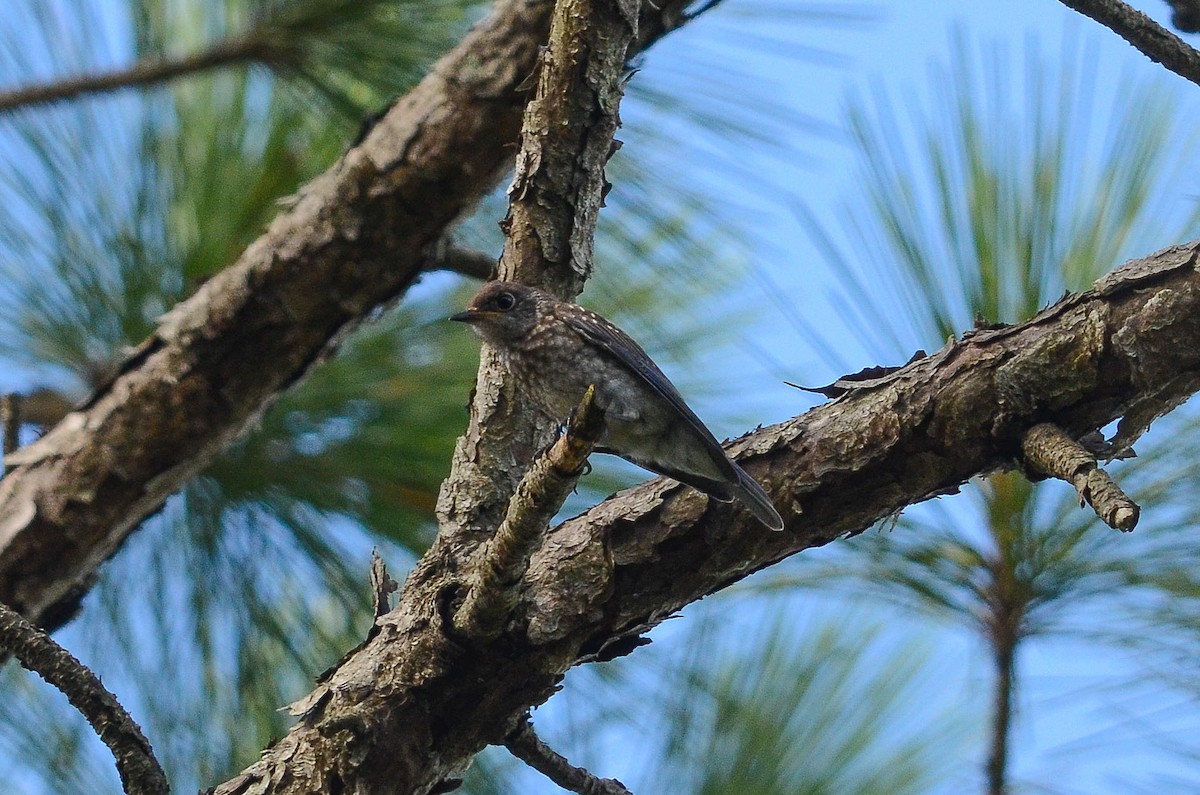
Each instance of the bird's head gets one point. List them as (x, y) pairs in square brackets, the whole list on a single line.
[(502, 311)]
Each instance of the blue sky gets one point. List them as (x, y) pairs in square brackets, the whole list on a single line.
[(1076, 731)]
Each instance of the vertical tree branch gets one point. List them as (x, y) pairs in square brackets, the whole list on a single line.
[(1004, 661), (555, 198), (369, 736)]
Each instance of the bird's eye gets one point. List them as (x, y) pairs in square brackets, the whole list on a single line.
[(505, 302)]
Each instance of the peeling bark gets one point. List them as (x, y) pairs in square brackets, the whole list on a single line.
[(1049, 451), (413, 705), (355, 238), (555, 198)]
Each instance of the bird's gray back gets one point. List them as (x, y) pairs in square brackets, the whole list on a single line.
[(635, 380)]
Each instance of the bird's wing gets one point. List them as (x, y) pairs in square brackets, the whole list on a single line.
[(621, 347)]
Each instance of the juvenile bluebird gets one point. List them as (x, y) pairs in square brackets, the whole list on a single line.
[(555, 350)]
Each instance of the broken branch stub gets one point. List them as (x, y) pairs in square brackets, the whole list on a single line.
[(1049, 451)]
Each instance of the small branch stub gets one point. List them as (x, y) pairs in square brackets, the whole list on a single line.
[(525, 745), (502, 561), (10, 418), (382, 585), (444, 256), (1049, 451)]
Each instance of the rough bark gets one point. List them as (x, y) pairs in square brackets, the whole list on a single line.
[(140, 772), (414, 704), (355, 238), (557, 191), (555, 198)]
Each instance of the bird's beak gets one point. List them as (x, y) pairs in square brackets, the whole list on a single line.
[(469, 315)]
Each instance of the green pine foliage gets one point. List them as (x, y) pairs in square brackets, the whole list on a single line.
[(224, 606), (988, 202)]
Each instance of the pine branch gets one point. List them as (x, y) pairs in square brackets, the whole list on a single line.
[(555, 197), (37, 652), (355, 239), (525, 745), (413, 705), (503, 559), (1155, 42), (239, 50)]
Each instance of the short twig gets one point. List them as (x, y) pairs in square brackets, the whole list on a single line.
[(502, 561), (44, 406), (463, 261), (525, 745), (36, 651), (1155, 42), (1049, 451), (10, 418)]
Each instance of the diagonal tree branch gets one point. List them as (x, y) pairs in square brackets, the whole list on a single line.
[(356, 238), (524, 744), (413, 706), (239, 50), (139, 770), (1155, 42)]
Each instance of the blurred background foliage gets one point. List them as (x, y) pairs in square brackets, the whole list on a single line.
[(987, 201)]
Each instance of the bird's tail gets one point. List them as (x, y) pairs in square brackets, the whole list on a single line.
[(750, 494)]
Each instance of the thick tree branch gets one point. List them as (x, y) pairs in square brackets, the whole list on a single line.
[(36, 651), (1156, 42), (413, 707), (356, 238), (240, 50)]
